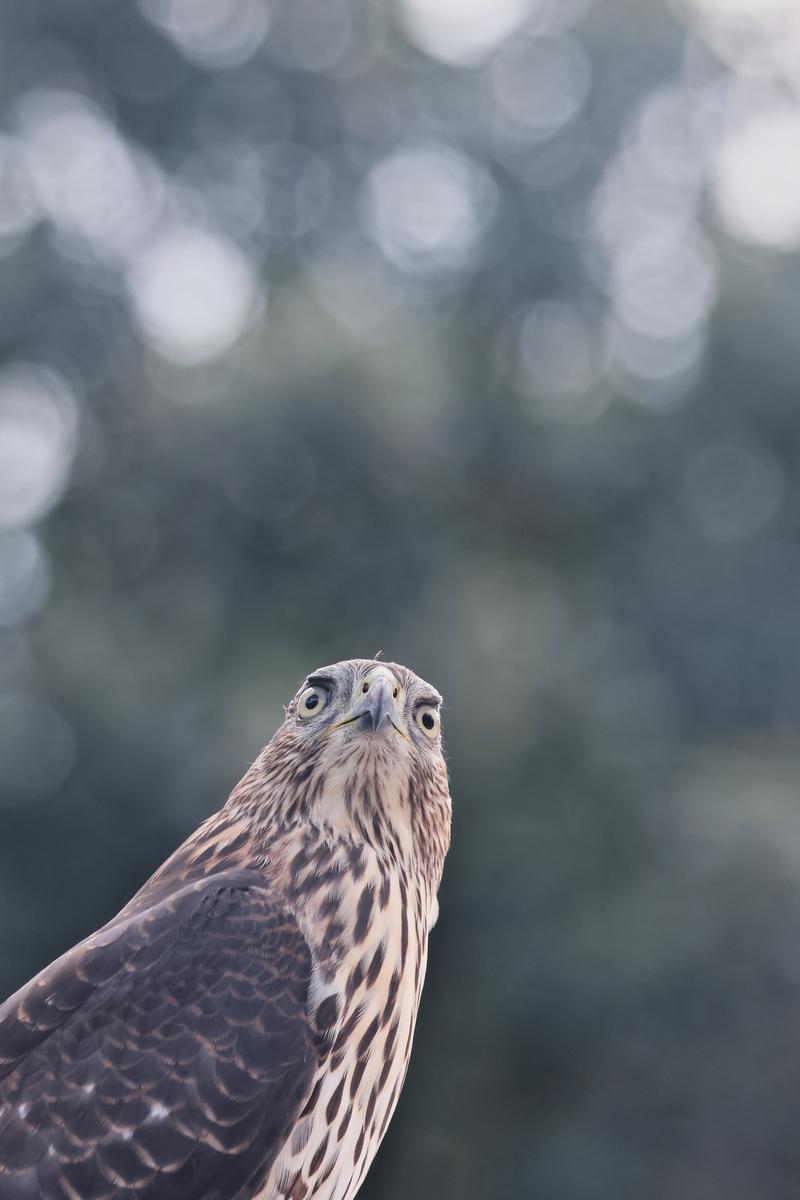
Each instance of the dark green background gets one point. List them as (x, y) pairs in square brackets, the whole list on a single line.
[(520, 408)]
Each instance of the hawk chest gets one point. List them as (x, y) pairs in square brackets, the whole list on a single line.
[(369, 936)]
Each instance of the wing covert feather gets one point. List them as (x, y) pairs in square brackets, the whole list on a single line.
[(164, 1058)]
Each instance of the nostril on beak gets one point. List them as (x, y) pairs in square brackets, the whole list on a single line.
[(379, 704)]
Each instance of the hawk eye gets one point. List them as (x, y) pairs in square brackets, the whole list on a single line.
[(312, 701), (427, 717)]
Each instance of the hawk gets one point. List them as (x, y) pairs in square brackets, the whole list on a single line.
[(242, 1028)]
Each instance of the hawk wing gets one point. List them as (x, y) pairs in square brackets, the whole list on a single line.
[(164, 1058)]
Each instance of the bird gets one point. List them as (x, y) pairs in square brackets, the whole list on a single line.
[(242, 1028)]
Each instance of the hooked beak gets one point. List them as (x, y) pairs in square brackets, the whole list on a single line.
[(378, 707), (377, 710)]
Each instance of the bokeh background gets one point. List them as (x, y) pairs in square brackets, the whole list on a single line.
[(468, 332)]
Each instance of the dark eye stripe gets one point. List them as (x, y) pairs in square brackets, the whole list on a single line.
[(323, 681)]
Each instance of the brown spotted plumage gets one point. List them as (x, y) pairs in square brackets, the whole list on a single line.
[(242, 1028)]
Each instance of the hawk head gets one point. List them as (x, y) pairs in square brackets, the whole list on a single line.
[(359, 755), (367, 709)]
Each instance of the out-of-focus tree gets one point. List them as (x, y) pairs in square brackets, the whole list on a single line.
[(469, 333)]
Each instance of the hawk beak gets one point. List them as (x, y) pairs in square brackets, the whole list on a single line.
[(379, 706), (377, 709)]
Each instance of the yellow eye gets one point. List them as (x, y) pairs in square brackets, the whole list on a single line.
[(427, 717), (312, 701)]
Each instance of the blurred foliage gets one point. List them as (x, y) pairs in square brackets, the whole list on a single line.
[(469, 333)]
